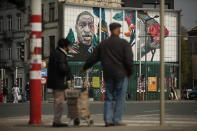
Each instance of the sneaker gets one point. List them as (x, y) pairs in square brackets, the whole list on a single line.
[(109, 124), (60, 125)]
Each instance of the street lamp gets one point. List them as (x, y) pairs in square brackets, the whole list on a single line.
[(162, 68)]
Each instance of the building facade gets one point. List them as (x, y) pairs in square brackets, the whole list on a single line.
[(14, 65), (192, 34), (169, 4), (51, 31), (15, 28), (12, 46)]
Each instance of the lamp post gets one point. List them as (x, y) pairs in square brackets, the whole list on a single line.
[(1, 87), (16, 77), (162, 68)]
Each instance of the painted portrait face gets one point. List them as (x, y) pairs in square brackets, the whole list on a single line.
[(85, 28)]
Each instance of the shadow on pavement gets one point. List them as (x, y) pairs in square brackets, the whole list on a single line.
[(49, 126)]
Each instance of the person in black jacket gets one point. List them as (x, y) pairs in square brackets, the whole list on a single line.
[(116, 58), (58, 75)]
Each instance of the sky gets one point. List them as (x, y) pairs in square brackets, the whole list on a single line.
[(189, 12)]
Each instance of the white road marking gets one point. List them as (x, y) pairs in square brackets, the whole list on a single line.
[(147, 115), (152, 111)]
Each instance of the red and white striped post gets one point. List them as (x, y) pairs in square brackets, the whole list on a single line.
[(36, 60)]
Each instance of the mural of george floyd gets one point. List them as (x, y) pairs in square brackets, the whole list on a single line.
[(86, 26), (139, 27)]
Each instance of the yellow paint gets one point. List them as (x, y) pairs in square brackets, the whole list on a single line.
[(96, 82), (152, 83)]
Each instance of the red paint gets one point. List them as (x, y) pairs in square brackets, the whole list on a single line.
[(35, 83), (36, 19), (36, 34), (154, 31), (35, 67), (35, 102), (37, 50)]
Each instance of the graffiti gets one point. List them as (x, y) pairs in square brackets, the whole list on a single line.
[(85, 28), (130, 17), (104, 25), (152, 34), (94, 70), (140, 28), (152, 31), (86, 38)]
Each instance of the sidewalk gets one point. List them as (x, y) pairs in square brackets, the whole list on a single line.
[(21, 124), (149, 101), (97, 128), (129, 101)]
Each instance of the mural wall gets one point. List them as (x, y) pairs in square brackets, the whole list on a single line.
[(140, 28)]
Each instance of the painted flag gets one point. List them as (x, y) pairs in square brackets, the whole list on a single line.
[(130, 17), (71, 37), (97, 13), (104, 30), (94, 41), (118, 16)]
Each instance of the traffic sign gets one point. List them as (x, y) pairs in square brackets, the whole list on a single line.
[(43, 80), (44, 72)]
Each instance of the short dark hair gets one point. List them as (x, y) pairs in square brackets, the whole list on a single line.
[(63, 43), (114, 26)]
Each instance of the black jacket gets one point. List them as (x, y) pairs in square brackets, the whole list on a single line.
[(115, 55), (58, 70)]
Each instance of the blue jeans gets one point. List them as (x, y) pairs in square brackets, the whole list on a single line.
[(115, 97)]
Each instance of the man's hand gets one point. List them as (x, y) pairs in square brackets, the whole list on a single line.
[(82, 70)]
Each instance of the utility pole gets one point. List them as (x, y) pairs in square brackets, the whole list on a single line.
[(100, 24), (162, 68), (1, 87), (146, 53), (16, 77), (35, 65)]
